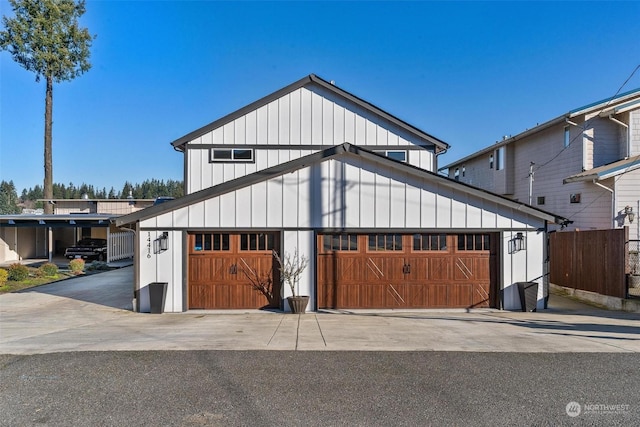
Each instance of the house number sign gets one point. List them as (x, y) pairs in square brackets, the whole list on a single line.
[(149, 245)]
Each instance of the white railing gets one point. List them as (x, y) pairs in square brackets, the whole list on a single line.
[(120, 245)]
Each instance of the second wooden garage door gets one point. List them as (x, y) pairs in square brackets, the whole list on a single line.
[(222, 266), (406, 271)]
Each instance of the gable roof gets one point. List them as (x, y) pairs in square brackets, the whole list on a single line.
[(614, 105), (179, 143), (607, 171), (337, 151)]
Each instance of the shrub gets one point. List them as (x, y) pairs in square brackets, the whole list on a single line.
[(18, 272), (76, 266), (4, 276), (97, 266), (48, 269)]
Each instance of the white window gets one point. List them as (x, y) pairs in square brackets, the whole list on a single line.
[(399, 155), (232, 155), (456, 174), (567, 139), (500, 158)]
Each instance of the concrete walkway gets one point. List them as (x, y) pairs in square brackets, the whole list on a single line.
[(93, 313)]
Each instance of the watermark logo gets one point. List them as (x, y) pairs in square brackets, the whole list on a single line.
[(573, 409)]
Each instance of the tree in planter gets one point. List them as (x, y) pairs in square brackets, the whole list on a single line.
[(291, 268), (44, 37)]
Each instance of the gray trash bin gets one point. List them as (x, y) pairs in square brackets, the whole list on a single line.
[(528, 295), (157, 295)]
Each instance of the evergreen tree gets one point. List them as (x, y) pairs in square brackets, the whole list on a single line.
[(8, 198), (44, 37)]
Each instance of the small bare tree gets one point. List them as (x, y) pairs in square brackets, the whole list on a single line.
[(291, 269), (260, 281)]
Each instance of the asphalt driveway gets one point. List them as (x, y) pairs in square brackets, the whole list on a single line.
[(93, 313)]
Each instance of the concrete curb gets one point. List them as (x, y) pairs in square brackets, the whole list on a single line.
[(602, 301)]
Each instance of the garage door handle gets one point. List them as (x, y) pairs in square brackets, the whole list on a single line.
[(233, 269), (406, 269)]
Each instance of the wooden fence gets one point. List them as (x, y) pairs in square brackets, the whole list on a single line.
[(594, 260)]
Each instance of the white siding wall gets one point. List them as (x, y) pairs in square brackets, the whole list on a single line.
[(628, 194), (349, 193), (522, 266), (304, 243), (606, 143), (160, 267), (635, 132), (309, 116)]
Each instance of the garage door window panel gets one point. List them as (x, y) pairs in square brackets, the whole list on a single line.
[(385, 242), (473, 242), (210, 242), (430, 242), (339, 242), (257, 242)]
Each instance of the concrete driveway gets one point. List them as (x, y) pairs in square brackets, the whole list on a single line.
[(93, 313)]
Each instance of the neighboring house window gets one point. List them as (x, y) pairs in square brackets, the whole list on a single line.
[(399, 155), (500, 158), (491, 161), (574, 198), (257, 242), (340, 242), (429, 242), (567, 139), (385, 242), (463, 171), (541, 200), (456, 174), (473, 242), (232, 155), (211, 242)]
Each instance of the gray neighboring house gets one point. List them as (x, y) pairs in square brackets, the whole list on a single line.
[(585, 163)]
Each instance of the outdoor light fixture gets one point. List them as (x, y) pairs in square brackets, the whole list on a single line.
[(518, 243), (628, 211), (164, 241)]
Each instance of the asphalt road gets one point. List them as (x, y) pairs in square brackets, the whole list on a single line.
[(283, 388)]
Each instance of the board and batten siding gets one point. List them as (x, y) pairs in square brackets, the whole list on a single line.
[(309, 116), (346, 193)]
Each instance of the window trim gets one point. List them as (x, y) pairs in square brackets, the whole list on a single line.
[(386, 154), (232, 155)]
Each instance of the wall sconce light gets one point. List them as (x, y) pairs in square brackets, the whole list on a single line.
[(518, 243), (164, 241), (628, 211), (161, 244)]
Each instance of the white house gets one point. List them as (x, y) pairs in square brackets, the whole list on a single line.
[(314, 169)]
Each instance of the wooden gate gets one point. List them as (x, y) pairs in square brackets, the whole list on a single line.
[(405, 271), (593, 260), (223, 269)]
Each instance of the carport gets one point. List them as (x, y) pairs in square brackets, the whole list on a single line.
[(43, 236)]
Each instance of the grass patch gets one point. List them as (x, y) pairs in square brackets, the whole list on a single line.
[(29, 282), (36, 278)]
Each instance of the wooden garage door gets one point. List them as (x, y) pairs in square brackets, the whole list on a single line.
[(405, 271), (222, 267)]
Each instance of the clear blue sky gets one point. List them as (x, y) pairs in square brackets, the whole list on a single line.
[(466, 73)]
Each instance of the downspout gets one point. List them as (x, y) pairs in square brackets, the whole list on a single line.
[(626, 126), (613, 202)]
